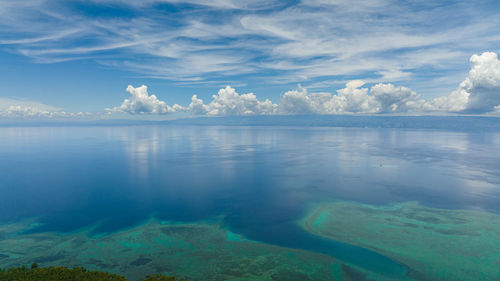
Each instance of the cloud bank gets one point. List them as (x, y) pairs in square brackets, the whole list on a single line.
[(479, 93), (22, 109)]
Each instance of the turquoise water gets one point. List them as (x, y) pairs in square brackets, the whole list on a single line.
[(259, 180)]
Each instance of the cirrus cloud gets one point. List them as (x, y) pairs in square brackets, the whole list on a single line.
[(226, 40)]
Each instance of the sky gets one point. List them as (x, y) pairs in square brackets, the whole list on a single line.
[(164, 59)]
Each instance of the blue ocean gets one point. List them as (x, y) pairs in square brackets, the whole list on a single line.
[(256, 182)]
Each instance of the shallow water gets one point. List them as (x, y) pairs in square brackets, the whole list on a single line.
[(258, 180)]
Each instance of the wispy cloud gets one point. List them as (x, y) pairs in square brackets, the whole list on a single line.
[(309, 41)]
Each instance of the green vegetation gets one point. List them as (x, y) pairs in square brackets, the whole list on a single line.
[(56, 274), (159, 277), (436, 244), (59, 273)]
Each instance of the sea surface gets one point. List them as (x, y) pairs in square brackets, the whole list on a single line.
[(258, 180)]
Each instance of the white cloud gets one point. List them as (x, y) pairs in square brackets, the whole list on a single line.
[(483, 83), (218, 4), (478, 93), (381, 98), (33, 112), (455, 102), (309, 40), (228, 102), (348, 100), (356, 100), (196, 106), (497, 110), (140, 102), (392, 99), (299, 102), (6, 103), (20, 109)]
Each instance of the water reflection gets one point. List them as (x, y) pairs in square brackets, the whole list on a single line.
[(257, 175)]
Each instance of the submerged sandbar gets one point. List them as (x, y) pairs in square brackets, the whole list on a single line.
[(436, 244)]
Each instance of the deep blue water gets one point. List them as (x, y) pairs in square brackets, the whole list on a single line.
[(260, 180)]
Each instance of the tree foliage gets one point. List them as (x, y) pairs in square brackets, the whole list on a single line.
[(159, 277), (59, 273)]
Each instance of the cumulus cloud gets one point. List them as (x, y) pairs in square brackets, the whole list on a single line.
[(140, 102), (478, 93), (496, 111), (299, 102), (455, 102), (228, 102), (354, 99), (381, 98), (351, 99), (396, 99), (483, 83)]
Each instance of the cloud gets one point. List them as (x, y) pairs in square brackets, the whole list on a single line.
[(228, 102), (307, 41), (140, 102), (497, 110), (218, 4), (478, 93), (381, 98), (6, 103), (21, 109), (33, 112), (396, 99), (483, 83), (299, 102), (456, 102)]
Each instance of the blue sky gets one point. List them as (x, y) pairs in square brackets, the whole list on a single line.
[(414, 57)]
